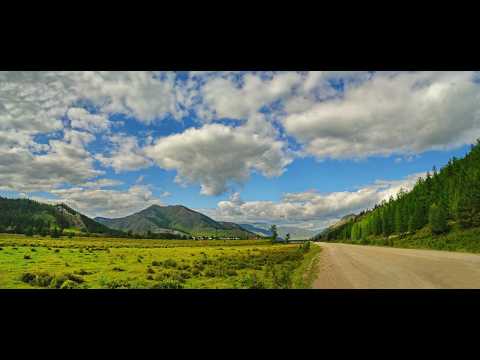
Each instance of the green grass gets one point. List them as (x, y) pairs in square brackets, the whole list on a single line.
[(120, 263), (306, 273), (106, 242), (456, 240)]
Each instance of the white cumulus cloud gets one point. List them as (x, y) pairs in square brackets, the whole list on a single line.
[(391, 113), (216, 155), (310, 206)]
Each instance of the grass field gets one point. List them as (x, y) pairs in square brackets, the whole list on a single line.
[(27, 262)]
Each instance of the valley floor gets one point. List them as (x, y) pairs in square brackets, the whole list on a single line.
[(27, 262), (346, 266)]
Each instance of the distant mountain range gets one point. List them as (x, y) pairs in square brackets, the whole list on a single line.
[(296, 233), (23, 216), (175, 218)]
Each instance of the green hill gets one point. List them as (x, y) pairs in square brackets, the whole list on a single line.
[(442, 211), (24, 216), (175, 218)]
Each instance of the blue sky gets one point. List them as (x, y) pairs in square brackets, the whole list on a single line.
[(297, 148)]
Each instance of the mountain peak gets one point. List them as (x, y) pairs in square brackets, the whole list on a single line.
[(157, 219)]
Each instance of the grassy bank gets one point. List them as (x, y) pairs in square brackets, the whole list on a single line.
[(306, 273), (455, 240), (119, 263)]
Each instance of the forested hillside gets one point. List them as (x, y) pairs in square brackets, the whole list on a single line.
[(24, 216), (441, 203)]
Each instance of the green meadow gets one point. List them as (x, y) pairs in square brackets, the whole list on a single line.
[(36, 262)]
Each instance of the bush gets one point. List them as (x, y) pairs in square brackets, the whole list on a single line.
[(116, 284), (150, 271), (27, 278), (168, 284), (210, 273), (231, 272), (170, 263), (156, 263), (118, 269), (252, 282), (185, 275), (56, 250), (39, 279), (69, 284), (82, 272), (149, 277), (27, 257)]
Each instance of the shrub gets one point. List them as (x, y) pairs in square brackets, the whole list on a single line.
[(75, 278), (210, 273), (27, 257), (168, 284), (118, 269), (69, 284), (27, 278), (39, 279), (56, 250), (170, 263), (82, 272), (33, 249), (150, 271), (149, 277), (185, 275), (115, 284), (156, 263), (231, 272), (252, 282)]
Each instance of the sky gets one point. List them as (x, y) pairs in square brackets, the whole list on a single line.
[(293, 148)]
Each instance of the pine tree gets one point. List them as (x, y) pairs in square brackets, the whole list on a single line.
[(437, 219), (273, 230), (29, 231), (399, 221)]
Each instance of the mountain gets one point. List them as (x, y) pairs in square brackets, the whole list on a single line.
[(296, 233), (442, 202), (22, 215), (344, 220), (258, 228), (174, 218)]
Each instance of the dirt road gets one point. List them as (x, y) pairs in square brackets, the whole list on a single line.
[(344, 266)]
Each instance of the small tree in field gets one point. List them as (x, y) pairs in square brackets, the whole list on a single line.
[(29, 231), (287, 238), (273, 230), (55, 233), (438, 219)]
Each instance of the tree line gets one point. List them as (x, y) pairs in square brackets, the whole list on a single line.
[(451, 195)]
